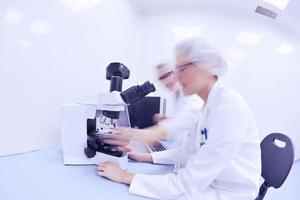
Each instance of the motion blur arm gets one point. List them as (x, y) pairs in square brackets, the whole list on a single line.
[(122, 136), (149, 135)]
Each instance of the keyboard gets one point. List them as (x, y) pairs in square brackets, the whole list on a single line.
[(155, 147)]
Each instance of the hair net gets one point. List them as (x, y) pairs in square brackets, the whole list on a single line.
[(198, 51)]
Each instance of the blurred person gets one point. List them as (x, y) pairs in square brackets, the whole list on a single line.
[(167, 77)]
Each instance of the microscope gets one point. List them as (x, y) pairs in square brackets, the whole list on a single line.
[(84, 124)]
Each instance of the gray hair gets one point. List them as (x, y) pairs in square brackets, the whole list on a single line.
[(198, 51)]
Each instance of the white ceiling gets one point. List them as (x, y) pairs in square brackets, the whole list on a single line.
[(288, 19)]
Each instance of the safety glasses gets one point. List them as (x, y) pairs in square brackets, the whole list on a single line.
[(181, 68), (165, 76)]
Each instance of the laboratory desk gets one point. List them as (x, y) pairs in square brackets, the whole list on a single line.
[(41, 175)]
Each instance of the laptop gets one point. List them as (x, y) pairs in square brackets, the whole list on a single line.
[(141, 116)]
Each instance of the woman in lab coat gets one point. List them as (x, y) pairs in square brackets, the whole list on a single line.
[(222, 153)]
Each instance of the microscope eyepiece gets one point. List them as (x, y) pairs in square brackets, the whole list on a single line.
[(138, 92)]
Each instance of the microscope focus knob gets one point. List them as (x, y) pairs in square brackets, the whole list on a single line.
[(90, 153)]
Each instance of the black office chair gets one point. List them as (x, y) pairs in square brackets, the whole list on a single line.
[(276, 161)]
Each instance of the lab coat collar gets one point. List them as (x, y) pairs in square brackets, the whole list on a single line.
[(212, 98)]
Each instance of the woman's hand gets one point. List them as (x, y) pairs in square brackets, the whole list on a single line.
[(140, 157), (120, 137), (114, 173), (158, 117)]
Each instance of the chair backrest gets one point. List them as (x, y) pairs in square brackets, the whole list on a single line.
[(276, 160), (277, 157)]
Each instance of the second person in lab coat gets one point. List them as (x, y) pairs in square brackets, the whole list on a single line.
[(222, 153)]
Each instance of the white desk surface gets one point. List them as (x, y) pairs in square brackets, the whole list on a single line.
[(41, 175)]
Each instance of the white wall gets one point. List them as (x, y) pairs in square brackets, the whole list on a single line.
[(269, 81), (52, 53), (61, 58)]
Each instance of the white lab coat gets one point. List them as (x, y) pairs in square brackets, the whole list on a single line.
[(226, 167)]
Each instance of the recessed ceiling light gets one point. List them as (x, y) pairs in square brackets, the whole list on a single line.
[(285, 49), (248, 38), (183, 32), (39, 27), (13, 16), (278, 3), (80, 5)]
